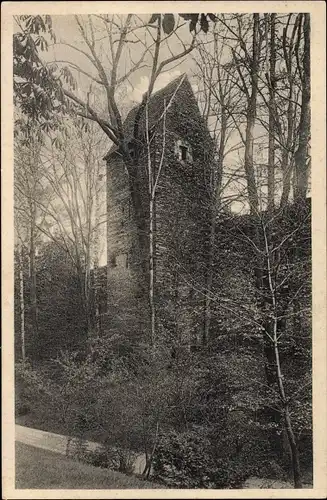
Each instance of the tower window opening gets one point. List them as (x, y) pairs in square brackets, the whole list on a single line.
[(183, 154), (131, 149), (183, 150), (113, 261)]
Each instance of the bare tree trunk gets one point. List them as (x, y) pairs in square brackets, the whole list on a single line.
[(151, 271), (86, 296), (96, 300), (207, 306), (96, 288), (96, 296), (215, 203), (96, 259), (32, 272), (287, 159), (250, 120), (301, 155), (153, 178), (272, 110), (249, 142), (151, 194), (279, 375), (287, 418), (21, 301), (149, 459), (294, 449)]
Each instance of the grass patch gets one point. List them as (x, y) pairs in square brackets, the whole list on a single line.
[(42, 469)]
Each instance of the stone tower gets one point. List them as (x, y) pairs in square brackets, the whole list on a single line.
[(180, 140)]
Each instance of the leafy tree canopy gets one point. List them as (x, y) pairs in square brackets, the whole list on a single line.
[(38, 90)]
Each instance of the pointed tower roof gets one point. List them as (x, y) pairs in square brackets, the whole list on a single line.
[(155, 108)]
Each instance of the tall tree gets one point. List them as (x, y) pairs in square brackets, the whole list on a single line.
[(301, 154), (20, 259), (271, 76), (74, 172), (28, 192), (59, 190), (154, 168), (218, 98)]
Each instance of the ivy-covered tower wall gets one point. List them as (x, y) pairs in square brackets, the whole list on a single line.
[(127, 300), (181, 217)]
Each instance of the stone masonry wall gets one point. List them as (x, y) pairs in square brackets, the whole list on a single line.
[(181, 230)]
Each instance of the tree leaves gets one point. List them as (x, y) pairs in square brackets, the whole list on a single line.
[(193, 18), (68, 77), (154, 18), (41, 43), (37, 89), (204, 23), (168, 23), (193, 23), (202, 18), (212, 17)]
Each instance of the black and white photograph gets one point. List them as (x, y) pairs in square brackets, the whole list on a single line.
[(162, 193)]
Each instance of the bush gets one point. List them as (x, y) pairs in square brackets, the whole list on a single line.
[(98, 458), (111, 458), (26, 389), (21, 409), (185, 461)]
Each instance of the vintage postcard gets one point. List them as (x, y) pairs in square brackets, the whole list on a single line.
[(164, 249)]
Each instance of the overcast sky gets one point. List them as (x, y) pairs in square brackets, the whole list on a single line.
[(66, 30)]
